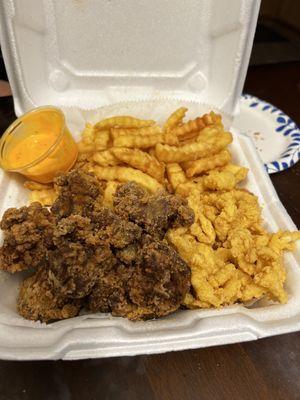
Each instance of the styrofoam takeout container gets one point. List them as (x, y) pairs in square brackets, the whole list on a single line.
[(149, 57)]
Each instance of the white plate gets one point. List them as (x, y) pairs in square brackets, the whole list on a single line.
[(276, 136)]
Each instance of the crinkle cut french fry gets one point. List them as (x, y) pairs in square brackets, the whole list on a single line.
[(123, 121), (207, 163), (144, 142), (108, 195), (193, 125), (140, 160), (44, 196), (188, 137), (175, 118), (127, 174), (150, 130), (31, 185), (192, 152), (208, 134), (191, 128), (87, 135), (84, 148), (105, 158), (101, 140), (175, 174), (212, 119), (151, 151), (83, 165)]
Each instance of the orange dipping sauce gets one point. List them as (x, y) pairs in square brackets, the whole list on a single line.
[(38, 145)]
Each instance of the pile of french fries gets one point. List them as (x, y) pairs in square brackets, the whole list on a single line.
[(178, 156)]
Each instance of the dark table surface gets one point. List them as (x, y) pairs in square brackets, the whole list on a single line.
[(264, 369)]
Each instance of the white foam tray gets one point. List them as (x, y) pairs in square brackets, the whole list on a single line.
[(100, 335), (163, 54)]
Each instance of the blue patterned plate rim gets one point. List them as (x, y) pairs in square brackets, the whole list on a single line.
[(284, 125)]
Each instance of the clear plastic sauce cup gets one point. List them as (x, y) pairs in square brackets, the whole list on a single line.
[(38, 145)]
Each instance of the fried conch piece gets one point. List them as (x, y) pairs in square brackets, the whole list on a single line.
[(140, 160), (240, 173), (202, 228), (226, 178), (215, 280), (123, 121), (126, 174)]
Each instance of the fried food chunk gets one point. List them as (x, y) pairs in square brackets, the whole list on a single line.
[(153, 286), (27, 237), (37, 301), (78, 193), (78, 257), (84, 250), (232, 257), (154, 213)]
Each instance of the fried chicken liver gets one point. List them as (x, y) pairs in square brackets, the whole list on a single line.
[(28, 233), (152, 285), (84, 250), (79, 193), (154, 213), (38, 301), (113, 260)]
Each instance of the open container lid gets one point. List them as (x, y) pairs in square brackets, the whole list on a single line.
[(91, 53)]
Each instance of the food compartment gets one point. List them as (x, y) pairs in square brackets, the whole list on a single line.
[(258, 182)]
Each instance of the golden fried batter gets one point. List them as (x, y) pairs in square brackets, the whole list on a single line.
[(88, 254), (232, 257), (79, 192), (27, 237), (154, 213), (84, 250), (37, 301), (152, 285)]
